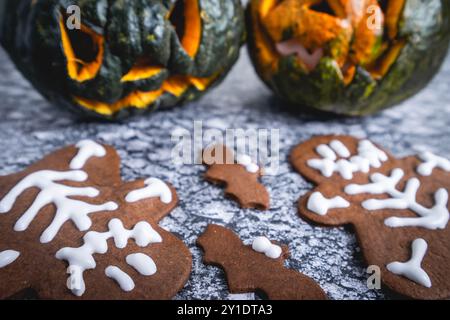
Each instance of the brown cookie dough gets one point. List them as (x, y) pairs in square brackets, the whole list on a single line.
[(241, 178), (256, 268), (398, 208), (76, 192)]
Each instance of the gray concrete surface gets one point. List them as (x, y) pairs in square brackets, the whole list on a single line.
[(30, 127)]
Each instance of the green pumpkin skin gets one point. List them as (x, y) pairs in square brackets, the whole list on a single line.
[(39, 55), (426, 25)]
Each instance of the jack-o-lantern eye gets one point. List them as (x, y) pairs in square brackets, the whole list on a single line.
[(83, 49), (186, 19)]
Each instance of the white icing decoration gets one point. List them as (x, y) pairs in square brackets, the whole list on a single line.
[(431, 218), (430, 162), (7, 257), (142, 263), (317, 203), (123, 279), (368, 156), (81, 258), (412, 269), (263, 245), (58, 194), (326, 152), (367, 150), (247, 162), (87, 149), (154, 188), (340, 149)]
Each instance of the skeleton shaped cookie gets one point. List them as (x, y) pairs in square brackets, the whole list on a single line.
[(70, 227), (398, 208), (256, 268), (239, 174)]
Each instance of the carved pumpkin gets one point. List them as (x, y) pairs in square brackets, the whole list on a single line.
[(352, 57), (127, 55)]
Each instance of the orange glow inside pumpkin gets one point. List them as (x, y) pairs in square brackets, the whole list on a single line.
[(192, 27), (175, 85), (185, 16), (143, 69), (85, 54), (341, 28), (267, 53)]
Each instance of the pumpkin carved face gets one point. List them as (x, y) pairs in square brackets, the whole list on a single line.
[(127, 55), (347, 56)]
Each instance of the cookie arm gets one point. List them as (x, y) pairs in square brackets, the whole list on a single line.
[(325, 206), (150, 199)]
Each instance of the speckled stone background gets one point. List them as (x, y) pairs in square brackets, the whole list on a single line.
[(30, 127)]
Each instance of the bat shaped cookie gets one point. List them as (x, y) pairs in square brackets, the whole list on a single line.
[(239, 174), (398, 207), (70, 228), (256, 268)]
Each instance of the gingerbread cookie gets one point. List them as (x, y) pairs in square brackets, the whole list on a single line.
[(258, 267), (398, 208), (239, 174), (71, 228)]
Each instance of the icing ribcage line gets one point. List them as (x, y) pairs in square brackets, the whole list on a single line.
[(340, 148), (326, 152), (58, 194), (430, 162), (81, 259), (142, 263), (433, 218), (368, 156)]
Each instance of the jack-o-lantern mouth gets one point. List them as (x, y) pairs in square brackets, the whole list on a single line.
[(84, 52), (351, 32), (175, 85)]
